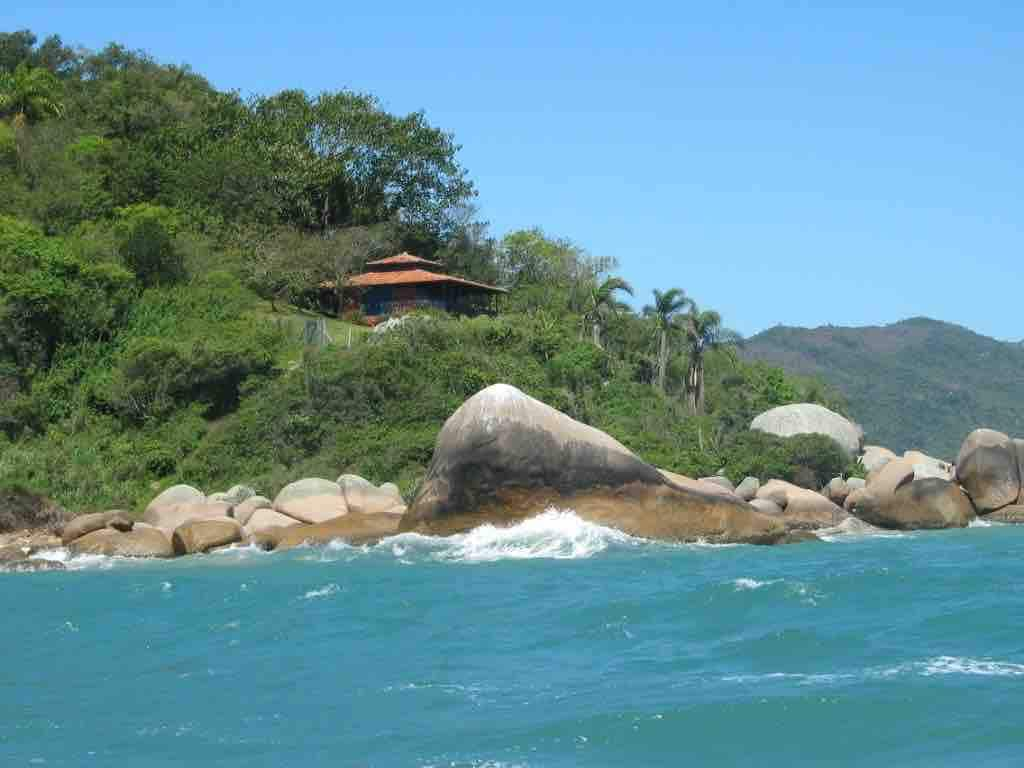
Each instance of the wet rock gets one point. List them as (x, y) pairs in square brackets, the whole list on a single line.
[(504, 456), (1014, 513)]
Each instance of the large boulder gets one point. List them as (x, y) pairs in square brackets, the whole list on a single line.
[(891, 476), (167, 519), (311, 500), (197, 536), (353, 528), (83, 524), (799, 508), (989, 470), (1018, 444), (875, 457), (503, 456), (837, 490), (263, 519), (176, 495), (138, 542), (748, 488), (810, 419), (926, 466), (928, 503), (364, 497), (242, 512), (22, 510)]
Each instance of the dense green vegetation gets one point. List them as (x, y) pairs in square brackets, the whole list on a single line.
[(917, 384), (161, 244)]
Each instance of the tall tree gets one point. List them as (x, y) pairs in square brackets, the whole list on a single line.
[(663, 313), (704, 332), (30, 94), (602, 302)]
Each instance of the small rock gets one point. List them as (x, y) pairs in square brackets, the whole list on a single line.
[(748, 488), (198, 536)]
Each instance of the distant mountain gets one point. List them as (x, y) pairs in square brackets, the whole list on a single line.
[(918, 383)]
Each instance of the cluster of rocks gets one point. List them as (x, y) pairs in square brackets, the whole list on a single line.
[(504, 456), (184, 521)]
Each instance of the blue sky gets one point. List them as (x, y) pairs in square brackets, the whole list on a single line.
[(784, 162)]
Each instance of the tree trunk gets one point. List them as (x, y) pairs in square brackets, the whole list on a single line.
[(700, 387), (691, 383), (662, 360), (597, 335)]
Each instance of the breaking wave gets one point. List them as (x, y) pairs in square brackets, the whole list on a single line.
[(554, 534)]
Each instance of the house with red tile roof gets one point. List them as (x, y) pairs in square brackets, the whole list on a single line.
[(403, 283)]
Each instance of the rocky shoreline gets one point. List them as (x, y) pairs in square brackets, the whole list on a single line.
[(503, 457)]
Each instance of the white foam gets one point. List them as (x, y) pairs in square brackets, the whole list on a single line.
[(745, 584), (554, 534), (979, 523), (75, 562), (852, 529), (959, 665), (326, 591)]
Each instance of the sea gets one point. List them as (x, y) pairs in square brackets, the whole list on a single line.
[(555, 642)]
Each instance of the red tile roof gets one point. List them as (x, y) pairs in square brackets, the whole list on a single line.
[(412, 277), (402, 258)]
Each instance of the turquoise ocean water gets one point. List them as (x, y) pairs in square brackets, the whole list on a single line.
[(555, 643)]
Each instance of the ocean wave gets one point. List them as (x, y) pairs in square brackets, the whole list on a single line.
[(852, 529), (938, 665), (744, 584), (76, 562), (554, 535), (979, 523), (325, 591)]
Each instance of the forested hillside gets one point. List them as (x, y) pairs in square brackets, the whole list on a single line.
[(159, 241), (918, 383)]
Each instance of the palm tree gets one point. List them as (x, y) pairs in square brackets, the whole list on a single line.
[(601, 301), (30, 94), (704, 332), (663, 312)]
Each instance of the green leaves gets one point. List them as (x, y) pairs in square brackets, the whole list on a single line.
[(30, 94)]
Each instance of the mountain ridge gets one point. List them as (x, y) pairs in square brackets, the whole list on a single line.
[(917, 383)]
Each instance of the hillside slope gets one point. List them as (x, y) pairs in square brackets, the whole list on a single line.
[(918, 383)]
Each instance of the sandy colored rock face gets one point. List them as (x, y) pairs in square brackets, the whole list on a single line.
[(700, 486), (263, 519), (309, 486), (504, 456), (920, 504), (363, 497), (875, 457), (810, 419), (243, 512), (837, 491), (884, 482), (766, 507), (748, 488), (167, 519), (21, 510), (987, 467), (94, 521), (199, 536), (353, 528), (313, 509), (139, 542), (175, 495)]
